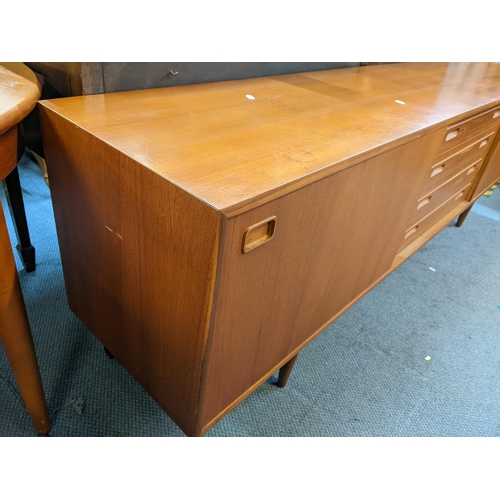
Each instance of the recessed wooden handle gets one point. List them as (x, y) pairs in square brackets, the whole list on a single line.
[(451, 135), (496, 114), (483, 143), (471, 169), (437, 170), (258, 234), (410, 232), (424, 202)]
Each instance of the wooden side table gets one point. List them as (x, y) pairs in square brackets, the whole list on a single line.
[(19, 92)]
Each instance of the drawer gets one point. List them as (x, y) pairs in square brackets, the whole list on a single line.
[(418, 228), (448, 167), (459, 132), (436, 198)]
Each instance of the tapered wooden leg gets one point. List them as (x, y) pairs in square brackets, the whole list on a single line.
[(16, 203), (285, 371), (15, 334), (463, 216), (108, 353), (43, 167)]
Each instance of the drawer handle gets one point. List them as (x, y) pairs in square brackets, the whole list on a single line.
[(471, 169), (484, 142), (451, 135), (258, 234), (496, 114), (459, 195), (437, 170), (410, 232), (424, 202)]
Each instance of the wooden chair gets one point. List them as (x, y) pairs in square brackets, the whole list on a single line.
[(19, 92)]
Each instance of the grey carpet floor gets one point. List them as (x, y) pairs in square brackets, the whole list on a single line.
[(366, 375)]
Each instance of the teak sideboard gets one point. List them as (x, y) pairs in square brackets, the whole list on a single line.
[(209, 232)]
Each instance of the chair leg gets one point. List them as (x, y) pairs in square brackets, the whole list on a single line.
[(15, 335), (285, 371), (16, 204), (463, 216)]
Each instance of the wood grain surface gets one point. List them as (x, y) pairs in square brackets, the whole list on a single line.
[(71, 78), (209, 232), (490, 174), (19, 92), (236, 153), (8, 151), (15, 336), (139, 259), (333, 239)]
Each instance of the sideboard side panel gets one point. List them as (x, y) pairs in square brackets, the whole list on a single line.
[(139, 257), (491, 169), (332, 240)]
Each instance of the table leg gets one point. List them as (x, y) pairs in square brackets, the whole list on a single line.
[(15, 334), (285, 371), (16, 204), (463, 216)]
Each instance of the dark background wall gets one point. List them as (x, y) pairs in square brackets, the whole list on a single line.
[(69, 79), (142, 75)]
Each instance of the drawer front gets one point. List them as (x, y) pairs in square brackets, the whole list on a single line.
[(433, 200), (446, 167), (461, 131), (422, 225)]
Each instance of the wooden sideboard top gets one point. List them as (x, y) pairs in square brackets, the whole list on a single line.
[(238, 144)]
